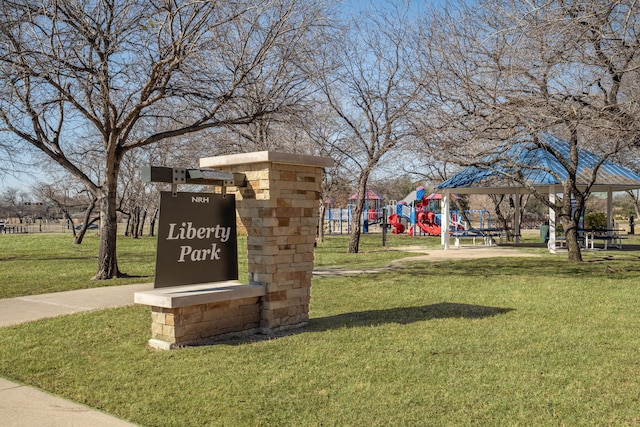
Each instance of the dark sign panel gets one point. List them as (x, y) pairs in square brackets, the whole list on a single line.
[(196, 239)]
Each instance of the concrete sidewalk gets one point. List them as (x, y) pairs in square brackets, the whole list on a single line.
[(29, 308), (22, 406), (430, 255), (26, 309)]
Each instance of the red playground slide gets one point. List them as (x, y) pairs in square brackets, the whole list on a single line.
[(394, 221), (431, 229), (426, 222)]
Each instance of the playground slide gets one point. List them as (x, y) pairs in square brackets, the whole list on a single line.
[(431, 229), (427, 222), (394, 221)]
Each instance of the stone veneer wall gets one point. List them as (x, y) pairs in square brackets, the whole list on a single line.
[(279, 211), (200, 323), (202, 313)]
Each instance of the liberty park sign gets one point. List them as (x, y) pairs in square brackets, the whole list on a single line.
[(196, 239)]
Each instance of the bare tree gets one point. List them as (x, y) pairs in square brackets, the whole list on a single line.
[(13, 202), (107, 71), (70, 199), (511, 69), (318, 125), (373, 94), (136, 199)]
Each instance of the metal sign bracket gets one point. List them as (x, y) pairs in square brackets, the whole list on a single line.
[(179, 176), (176, 176)]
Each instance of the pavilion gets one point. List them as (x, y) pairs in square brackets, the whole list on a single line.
[(541, 171)]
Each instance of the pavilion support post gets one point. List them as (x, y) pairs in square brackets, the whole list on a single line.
[(610, 224), (516, 218), (552, 221), (444, 221)]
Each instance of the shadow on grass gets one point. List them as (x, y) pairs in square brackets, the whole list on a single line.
[(404, 315)]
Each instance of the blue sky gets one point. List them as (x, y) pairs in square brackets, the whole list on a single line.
[(415, 6), (24, 181)]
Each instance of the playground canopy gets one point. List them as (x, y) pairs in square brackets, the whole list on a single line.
[(438, 196), (542, 172), (371, 195)]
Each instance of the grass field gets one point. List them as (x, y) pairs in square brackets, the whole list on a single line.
[(503, 341)]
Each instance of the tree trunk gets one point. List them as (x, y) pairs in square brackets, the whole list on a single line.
[(69, 219), (141, 223), (133, 225), (570, 192), (571, 235), (127, 228), (152, 223), (569, 221), (107, 260), (77, 238), (504, 222), (354, 238)]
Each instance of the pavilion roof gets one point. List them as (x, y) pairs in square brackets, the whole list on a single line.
[(539, 168)]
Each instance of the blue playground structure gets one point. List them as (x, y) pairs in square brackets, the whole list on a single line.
[(417, 215), (423, 216)]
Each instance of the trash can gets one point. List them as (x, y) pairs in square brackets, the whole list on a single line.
[(544, 233)]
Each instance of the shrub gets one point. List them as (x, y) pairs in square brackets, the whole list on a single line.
[(595, 220)]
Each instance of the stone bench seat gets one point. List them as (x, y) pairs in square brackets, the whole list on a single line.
[(202, 313), (204, 293)]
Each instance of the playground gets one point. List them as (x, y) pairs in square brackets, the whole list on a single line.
[(418, 214)]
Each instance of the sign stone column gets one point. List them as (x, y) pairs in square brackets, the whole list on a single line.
[(279, 210)]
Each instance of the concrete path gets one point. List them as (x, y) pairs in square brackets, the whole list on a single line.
[(465, 252), (22, 406), (26, 309), (430, 255)]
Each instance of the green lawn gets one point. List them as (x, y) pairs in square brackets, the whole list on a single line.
[(503, 341), (40, 263)]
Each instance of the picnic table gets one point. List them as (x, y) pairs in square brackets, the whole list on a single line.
[(606, 236), (487, 235)]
